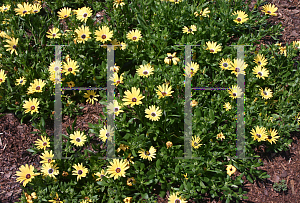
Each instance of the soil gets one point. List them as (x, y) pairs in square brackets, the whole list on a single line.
[(16, 138)]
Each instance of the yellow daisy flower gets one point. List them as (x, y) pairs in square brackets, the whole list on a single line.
[(104, 133), (71, 84), (282, 50), (129, 159), (20, 81), (235, 92), (213, 47), (103, 34), (145, 70), (70, 67), (36, 8), (127, 199), (171, 58), (169, 144), (12, 45), (131, 181), (42, 143), (83, 14), (260, 60), (2, 76), (26, 174), (78, 138), (24, 9), (31, 106), (116, 79), (259, 134), (269, 9), (117, 168), (50, 170), (118, 3), (100, 175), (194, 103), (189, 30), (176, 198), (194, 68), (227, 106), (230, 169), (153, 113), (4, 8), (225, 64), (238, 67), (80, 171), (47, 157), (122, 147), (148, 154), (203, 13), (220, 136), (298, 118), (36, 86), (175, 1), (134, 35), (53, 33), (117, 108), (91, 96), (260, 72), (133, 98), (164, 91), (64, 13), (267, 94), (272, 136), (241, 18), (296, 44), (82, 34), (195, 142)]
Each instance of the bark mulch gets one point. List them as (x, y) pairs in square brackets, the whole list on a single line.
[(16, 138)]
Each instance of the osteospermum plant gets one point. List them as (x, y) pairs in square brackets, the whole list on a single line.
[(142, 154)]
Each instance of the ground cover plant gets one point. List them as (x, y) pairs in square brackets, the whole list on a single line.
[(149, 110)]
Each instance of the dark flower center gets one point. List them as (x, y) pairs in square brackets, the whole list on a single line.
[(230, 169), (32, 107), (258, 135), (103, 36), (259, 63), (50, 170), (145, 72), (190, 30), (237, 69), (85, 15), (225, 65), (134, 38), (53, 34), (14, 46), (91, 96), (239, 19), (195, 143), (24, 12), (265, 93), (77, 139), (153, 114), (259, 73), (164, 93), (1, 79), (70, 69), (101, 175), (234, 94), (134, 99), (212, 50), (177, 201), (80, 172), (21, 81), (116, 109), (56, 68), (170, 57), (269, 137), (118, 170), (65, 16), (147, 153), (28, 176), (45, 143), (65, 173), (83, 36), (49, 160), (268, 11), (38, 88), (118, 82)]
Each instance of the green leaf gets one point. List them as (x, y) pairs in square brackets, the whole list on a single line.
[(249, 178), (42, 122), (74, 123), (31, 150), (158, 163), (177, 169)]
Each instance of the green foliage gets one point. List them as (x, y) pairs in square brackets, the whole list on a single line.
[(280, 186), (161, 24)]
